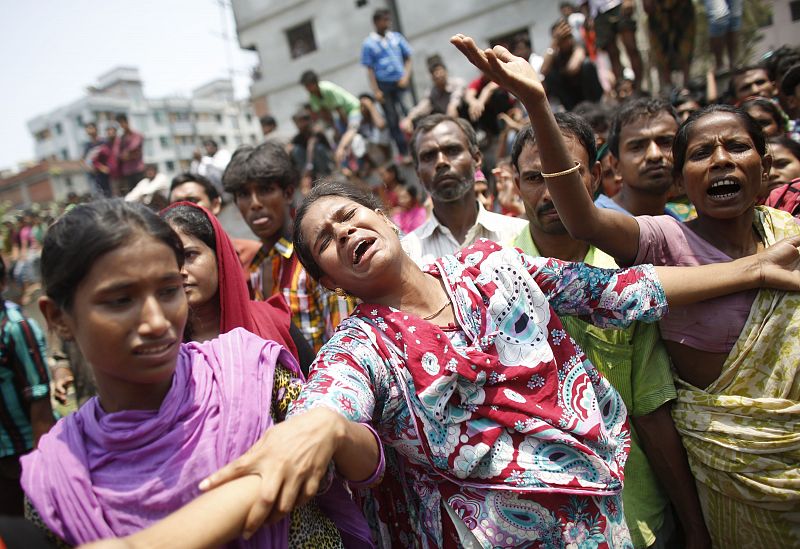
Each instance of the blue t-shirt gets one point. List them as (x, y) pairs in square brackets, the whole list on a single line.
[(385, 55), (608, 203)]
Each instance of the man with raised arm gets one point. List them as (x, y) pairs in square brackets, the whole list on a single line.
[(634, 359)]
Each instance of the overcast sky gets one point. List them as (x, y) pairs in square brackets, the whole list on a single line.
[(50, 50)]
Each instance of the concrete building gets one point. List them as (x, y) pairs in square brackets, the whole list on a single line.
[(173, 127), (784, 27), (47, 181), (292, 36)]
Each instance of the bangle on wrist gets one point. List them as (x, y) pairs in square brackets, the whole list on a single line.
[(573, 169)]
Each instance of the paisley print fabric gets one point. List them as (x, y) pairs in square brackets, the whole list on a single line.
[(505, 421)]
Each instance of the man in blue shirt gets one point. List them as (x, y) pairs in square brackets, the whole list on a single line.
[(387, 56)]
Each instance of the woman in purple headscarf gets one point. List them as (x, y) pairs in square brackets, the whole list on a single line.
[(167, 414)]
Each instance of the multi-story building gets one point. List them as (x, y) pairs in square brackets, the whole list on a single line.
[(173, 127), (46, 181), (292, 36)]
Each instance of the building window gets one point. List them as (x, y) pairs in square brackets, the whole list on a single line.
[(164, 142), (68, 182), (170, 165), (64, 154), (218, 118), (223, 139), (58, 128), (249, 118), (158, 117), (301, 40), (79, 121), (794, 8)]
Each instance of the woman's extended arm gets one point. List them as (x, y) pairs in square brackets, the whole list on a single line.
[(613, 232), (292, 457), (776, 267), (612, 297), (211, 520)]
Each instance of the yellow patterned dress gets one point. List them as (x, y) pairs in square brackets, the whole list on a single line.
[(742, 432)]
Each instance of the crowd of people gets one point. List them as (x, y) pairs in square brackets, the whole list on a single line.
[(545, 308)]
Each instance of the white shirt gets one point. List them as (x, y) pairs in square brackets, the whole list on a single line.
[(602, 6), (212, 167), (145, 189), (432, 239)]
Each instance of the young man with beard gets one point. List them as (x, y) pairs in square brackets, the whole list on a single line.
[(634, 360), (262, 180), (446, 155), (640, 142)]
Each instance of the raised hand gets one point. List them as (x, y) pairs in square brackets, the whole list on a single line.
[(510, 72)]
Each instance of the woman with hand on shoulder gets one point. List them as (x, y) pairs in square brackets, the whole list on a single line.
[(735, 355), (494, 429)]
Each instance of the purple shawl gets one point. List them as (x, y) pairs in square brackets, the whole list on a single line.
[(99, 475)]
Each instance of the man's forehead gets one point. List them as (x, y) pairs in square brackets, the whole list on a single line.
[(531, 158), (642, 126), (751, 75), (443, 132)]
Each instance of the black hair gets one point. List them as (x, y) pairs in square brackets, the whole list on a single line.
[(204, 182), (596, 115), (121, 117), (268, 120), (90, 125), (309, 77), (322, 189), (427, 123), (787, 142), (570, 124), (681, 141), (207, 142), (366, 95), (265, 164), (643, 107), (2, 271), (395, 171), (87, 232), (779, 60), (380, 13), (769, 106), (192, 221), (435, 61)]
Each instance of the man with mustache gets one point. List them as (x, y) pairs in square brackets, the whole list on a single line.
[(634, 359), (640, 142), (262, 181), (446, 156)]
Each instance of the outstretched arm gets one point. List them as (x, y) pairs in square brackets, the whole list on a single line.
[(613, 232), (776, 267), (211, 520)]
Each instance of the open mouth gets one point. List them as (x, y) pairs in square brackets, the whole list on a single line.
[(361, 248), (724, 189)]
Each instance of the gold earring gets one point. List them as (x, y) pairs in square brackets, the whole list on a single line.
[(340, 292)]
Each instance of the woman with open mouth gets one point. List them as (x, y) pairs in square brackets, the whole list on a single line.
[(454, 391), (736, 356)]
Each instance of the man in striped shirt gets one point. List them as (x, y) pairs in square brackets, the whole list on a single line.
[(25, 412), (262, 180)]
